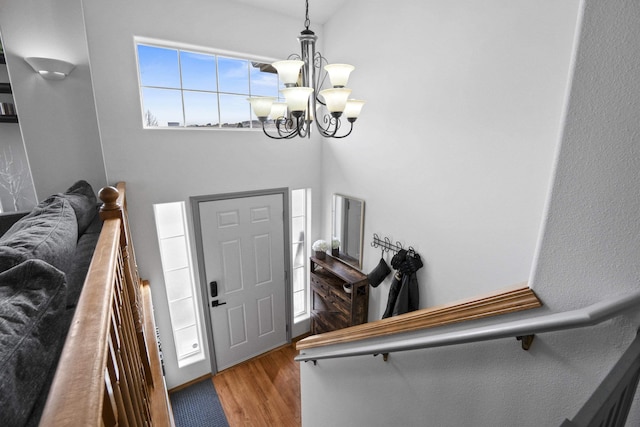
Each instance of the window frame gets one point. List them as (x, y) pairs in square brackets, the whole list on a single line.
[(197, 49)]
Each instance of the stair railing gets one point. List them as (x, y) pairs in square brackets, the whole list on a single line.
[(523, 329)]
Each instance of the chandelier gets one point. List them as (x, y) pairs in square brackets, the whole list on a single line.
[(303, 77)]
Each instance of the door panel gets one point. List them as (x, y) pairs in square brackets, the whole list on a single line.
[(244, 252), (265, 316), (232, 266), (237, 326)]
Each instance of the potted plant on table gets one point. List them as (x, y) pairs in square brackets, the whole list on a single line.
[(320, 247), (335, 246)]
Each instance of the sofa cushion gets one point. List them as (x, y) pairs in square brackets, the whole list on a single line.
[(84, 203), (33, 296), (49, 232), (80, 266)]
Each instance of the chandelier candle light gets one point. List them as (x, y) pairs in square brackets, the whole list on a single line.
[(301, 78)]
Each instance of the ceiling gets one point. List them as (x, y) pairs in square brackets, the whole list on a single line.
[(319, 10)]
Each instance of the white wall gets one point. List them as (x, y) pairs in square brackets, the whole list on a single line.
[(591, 238), (454, 150), (57, 118), (588, 250), (171, 165)]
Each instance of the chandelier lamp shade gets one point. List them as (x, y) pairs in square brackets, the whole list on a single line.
[(306, 103)]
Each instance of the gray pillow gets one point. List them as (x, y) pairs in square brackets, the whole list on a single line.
[(33, 296), (84, 203), (49, 232)]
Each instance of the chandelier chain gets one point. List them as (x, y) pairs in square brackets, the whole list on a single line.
[(307, 22)]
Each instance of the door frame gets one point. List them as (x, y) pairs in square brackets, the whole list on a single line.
[(204, 292)]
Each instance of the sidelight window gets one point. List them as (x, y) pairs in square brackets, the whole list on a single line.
[(300, 200), (179, 281)]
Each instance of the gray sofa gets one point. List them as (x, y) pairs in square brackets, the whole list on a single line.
[(44, 258)]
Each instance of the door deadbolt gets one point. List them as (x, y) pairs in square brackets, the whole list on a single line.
[(213, 287)]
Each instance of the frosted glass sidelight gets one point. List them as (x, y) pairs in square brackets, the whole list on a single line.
[(297, 229), (298, 278), (187, 342), (298, 203), (169, 220), (174, 250), (299, 304), (300, 200), (298, 255), (182, 315), (179, 282)]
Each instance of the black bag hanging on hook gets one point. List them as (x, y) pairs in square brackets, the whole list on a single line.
[(399, 258), (379, 273)]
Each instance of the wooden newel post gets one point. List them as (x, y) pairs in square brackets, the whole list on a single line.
[(111, 208)]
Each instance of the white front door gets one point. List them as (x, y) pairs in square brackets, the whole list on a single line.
[(244, 261)]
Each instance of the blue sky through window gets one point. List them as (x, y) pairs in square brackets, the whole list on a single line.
[(158, 67), (198, 71), (186, 88)]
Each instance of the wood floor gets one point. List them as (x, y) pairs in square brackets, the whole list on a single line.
[(264, 391)]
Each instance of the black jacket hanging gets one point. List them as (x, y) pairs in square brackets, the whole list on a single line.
[(404, 293)]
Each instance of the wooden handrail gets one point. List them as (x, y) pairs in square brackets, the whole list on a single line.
[(110, 372), (516, 298)]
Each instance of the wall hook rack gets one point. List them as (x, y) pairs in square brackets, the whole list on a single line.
[(386, 245)]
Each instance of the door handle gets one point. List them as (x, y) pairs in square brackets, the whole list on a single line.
[(217, 303), (213, 287)]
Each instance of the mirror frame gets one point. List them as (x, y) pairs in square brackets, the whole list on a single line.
[(354, 262)]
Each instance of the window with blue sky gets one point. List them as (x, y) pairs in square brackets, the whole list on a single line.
[(183, 88)]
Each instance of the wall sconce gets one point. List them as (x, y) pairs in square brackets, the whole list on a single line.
[(51, 69)]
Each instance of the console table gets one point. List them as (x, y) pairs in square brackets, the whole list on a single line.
[(332, 307)]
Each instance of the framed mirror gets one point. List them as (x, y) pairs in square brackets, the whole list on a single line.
[(348, 228)]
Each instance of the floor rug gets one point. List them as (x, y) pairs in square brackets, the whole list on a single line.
[(198, 406)]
